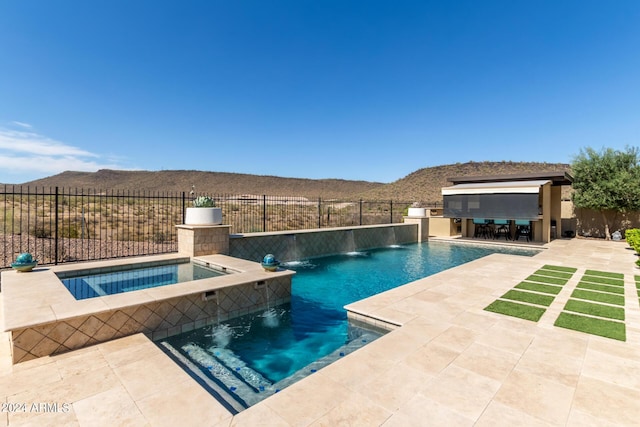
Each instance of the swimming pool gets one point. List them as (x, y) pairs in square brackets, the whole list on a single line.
[(126, 279), (248, 359)]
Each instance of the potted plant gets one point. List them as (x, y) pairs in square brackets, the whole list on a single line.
[(203, 212)]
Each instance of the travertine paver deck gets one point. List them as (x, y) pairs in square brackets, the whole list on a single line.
[(450, 363)]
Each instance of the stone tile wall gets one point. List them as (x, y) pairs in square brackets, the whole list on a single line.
[(314, 243), (158, 319)]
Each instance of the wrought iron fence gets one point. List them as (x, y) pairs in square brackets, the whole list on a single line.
[(61, 225)]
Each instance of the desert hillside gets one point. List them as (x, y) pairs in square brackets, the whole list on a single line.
[(206, 182), (422, 185)]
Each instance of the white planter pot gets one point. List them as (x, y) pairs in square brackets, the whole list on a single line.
[(417, 212), (203, 216)]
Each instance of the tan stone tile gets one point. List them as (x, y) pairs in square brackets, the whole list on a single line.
[(615, 348), (607, 401), (424, 329), (355, 369), (321, 394), (613, 369), (431, 358), (109, 408), (555, 340), (353, 411), (499, 415), (28, 379), (580, 419), (79, 361), (183, 404), (135, 352), (143, 377), (488, 361), (72, 388), (41, 417), (536, 396), (506, 339), (425, 411), (392, 346), (397, 384), (457, 338), (258, 415), (478, 322), (462, 390)]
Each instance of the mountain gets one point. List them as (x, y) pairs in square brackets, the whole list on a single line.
[(205, 182), (423, 185)]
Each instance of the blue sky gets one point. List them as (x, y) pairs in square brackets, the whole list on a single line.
[(366, 90)]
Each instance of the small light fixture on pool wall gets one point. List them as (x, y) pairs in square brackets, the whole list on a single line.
[(269, 262)]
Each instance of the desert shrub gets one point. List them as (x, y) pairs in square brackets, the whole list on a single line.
[(633, 238), (41, 232)]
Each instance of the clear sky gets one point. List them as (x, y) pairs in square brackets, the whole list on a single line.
[(367, 90)]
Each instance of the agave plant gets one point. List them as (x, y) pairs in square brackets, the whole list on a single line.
[(203, 202)]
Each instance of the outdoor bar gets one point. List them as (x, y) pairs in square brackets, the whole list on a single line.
[(514, 206)]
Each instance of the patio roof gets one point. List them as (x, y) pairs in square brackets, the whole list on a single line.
[(504, 187), (556, 178)]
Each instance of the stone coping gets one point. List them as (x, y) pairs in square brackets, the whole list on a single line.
[(316, 230), (39, 297)]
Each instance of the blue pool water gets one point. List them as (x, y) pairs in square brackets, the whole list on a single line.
[(251, 357), (132, 279)]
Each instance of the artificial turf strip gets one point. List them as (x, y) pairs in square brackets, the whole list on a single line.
[(529, 297), (602, 280), (527, 312), (544, 279), (598, 297), (545, 289), (604, 288), (604, 274), (590, 325), (551, 273), (593, 309), (559, 268)]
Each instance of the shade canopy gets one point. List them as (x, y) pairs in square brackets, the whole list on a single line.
[(493, 200)]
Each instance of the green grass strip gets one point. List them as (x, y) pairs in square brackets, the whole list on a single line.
[(637, 279), (545, 289), (559, 268), (598, 297), (600, 327), (604, 288), (551, 273), (544, 279), (513, 309), (529, 297), (602, 280), (593, 309), (604, 274)]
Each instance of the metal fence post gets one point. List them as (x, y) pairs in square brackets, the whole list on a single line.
[(264, 212), (184, 207), (55, 230), (319, 212), (360, 211), (391, 209)]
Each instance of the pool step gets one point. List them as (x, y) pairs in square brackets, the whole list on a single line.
[(245, 383)]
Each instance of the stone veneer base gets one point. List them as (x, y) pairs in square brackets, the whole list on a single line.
[(43, 318)]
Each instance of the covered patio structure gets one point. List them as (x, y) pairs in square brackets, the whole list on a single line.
[(525, 200)]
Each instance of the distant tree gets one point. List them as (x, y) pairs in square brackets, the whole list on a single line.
[(607, 181)]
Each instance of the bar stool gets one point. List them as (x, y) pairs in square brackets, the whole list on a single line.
[(502, 229), (523, 229)]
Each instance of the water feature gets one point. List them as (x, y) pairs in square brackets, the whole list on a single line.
[(285, 343)]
